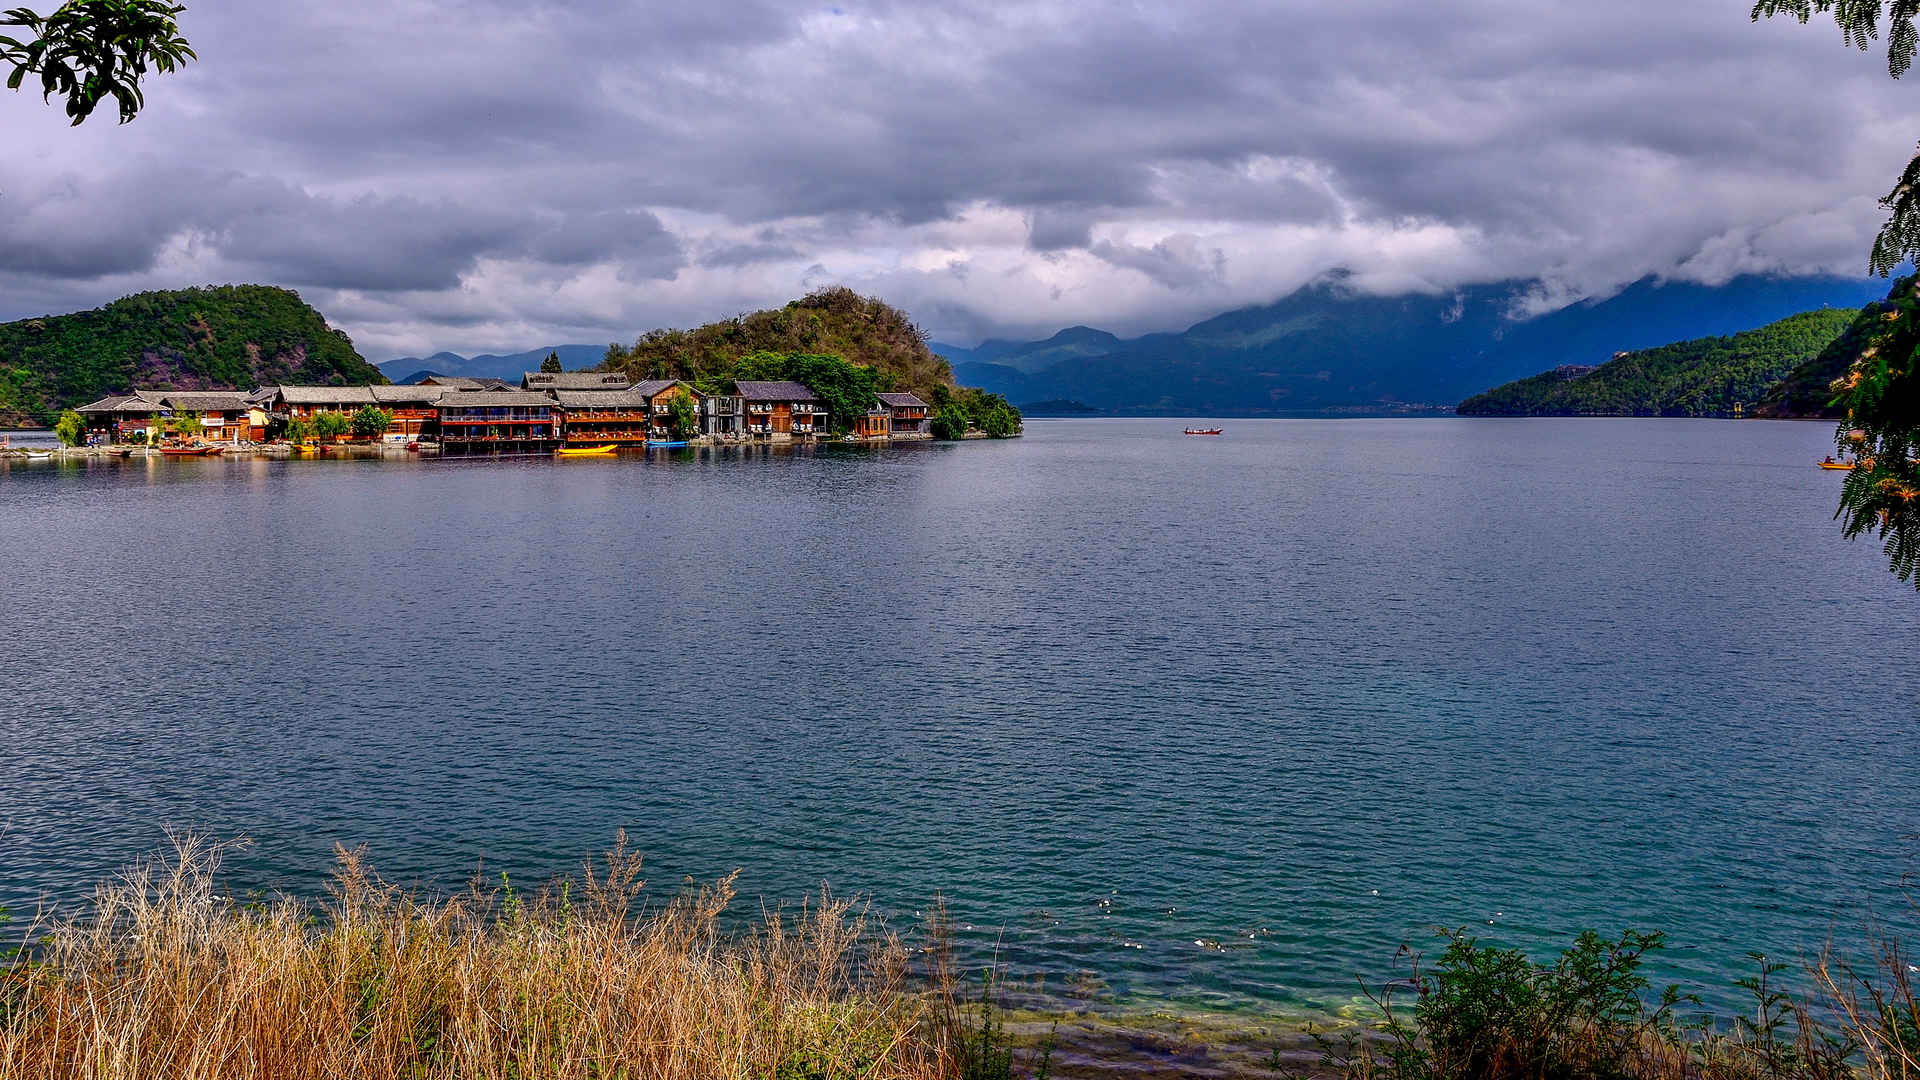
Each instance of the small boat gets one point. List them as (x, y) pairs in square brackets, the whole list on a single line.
[(1832, 464), (655, 444), (413, 448), (39, 455), (1205, 431), (187, 451), (586, 451)]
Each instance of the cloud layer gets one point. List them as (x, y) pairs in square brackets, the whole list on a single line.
[(484, 176)]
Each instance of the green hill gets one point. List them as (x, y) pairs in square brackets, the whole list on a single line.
[(1708, 376), (221, 337), (835, 321), (1807, 390)]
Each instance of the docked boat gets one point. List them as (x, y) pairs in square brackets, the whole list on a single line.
[(655, 444), (1206, 431), (189, 451), (588, 451)]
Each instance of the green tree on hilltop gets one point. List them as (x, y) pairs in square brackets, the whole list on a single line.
[(89, 50)]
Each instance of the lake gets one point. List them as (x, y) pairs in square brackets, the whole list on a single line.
[(1223, 721)]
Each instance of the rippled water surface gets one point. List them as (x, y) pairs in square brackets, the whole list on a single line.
[(1223, 720)]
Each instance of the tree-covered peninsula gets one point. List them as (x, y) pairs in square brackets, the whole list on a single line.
[(845, 346), (1709, 376), (224, 337)]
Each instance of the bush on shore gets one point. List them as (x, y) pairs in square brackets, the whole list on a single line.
[(1486, 1013)]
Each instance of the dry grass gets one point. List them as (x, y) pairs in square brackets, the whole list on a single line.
[(165, 977)]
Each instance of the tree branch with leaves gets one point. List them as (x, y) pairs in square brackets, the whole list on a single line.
[(1881, 390), (87, 51)]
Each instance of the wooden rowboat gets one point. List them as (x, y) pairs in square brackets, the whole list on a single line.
[(1847, 465), (187, 451), (584, 451), (1205, 431)]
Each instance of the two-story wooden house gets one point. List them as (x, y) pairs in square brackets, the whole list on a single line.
[(906, 414), (415, 409), (499, 422), (599, 417), (780, 410)]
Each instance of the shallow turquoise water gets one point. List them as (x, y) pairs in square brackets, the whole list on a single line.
[(1222, 720)]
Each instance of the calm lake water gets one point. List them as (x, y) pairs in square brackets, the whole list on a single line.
[(1305, 691)]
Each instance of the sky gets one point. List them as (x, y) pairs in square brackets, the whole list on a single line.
[(484, 176)]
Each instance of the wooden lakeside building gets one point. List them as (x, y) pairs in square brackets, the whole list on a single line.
[(226, 416), (414, 409), (779, 410), (599, 417), (499, 422), (550, 410), (907, 415)]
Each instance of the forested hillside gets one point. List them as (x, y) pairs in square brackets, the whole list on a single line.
[(835, 321), (1710, 376), (224, 337)]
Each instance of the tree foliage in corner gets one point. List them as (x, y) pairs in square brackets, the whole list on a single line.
[(1859, 22), (89, 50), (1880, 391)]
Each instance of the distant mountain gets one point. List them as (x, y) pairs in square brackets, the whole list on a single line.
[(225, 337), (1807, 390), (1710, 376), (1328, 346), (510, 366)]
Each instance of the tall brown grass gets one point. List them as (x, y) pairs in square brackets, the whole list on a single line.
[(164, 976)]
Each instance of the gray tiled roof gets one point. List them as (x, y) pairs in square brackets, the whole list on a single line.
[(408, 395), (208, 401), (494, 399), (138, 401), (901, 401), (575, 380), (654, 386), (774, 391), (603, 399), (327, 395)]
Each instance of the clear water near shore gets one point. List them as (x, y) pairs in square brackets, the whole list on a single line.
[(1220, 721)]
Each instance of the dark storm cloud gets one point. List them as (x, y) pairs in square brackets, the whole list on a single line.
[(587, 166)]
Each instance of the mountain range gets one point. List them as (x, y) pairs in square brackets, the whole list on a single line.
[(509, 366), (1329, 347)]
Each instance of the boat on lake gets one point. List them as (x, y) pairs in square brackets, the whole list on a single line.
[(655, 444), (189, 451), (586, 451), (1846, 465), (1206, 431)]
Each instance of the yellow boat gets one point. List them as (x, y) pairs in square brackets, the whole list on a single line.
[(583, 451), (1847, 465)]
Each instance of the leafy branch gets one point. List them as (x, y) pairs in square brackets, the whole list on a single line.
[(89, 50)]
